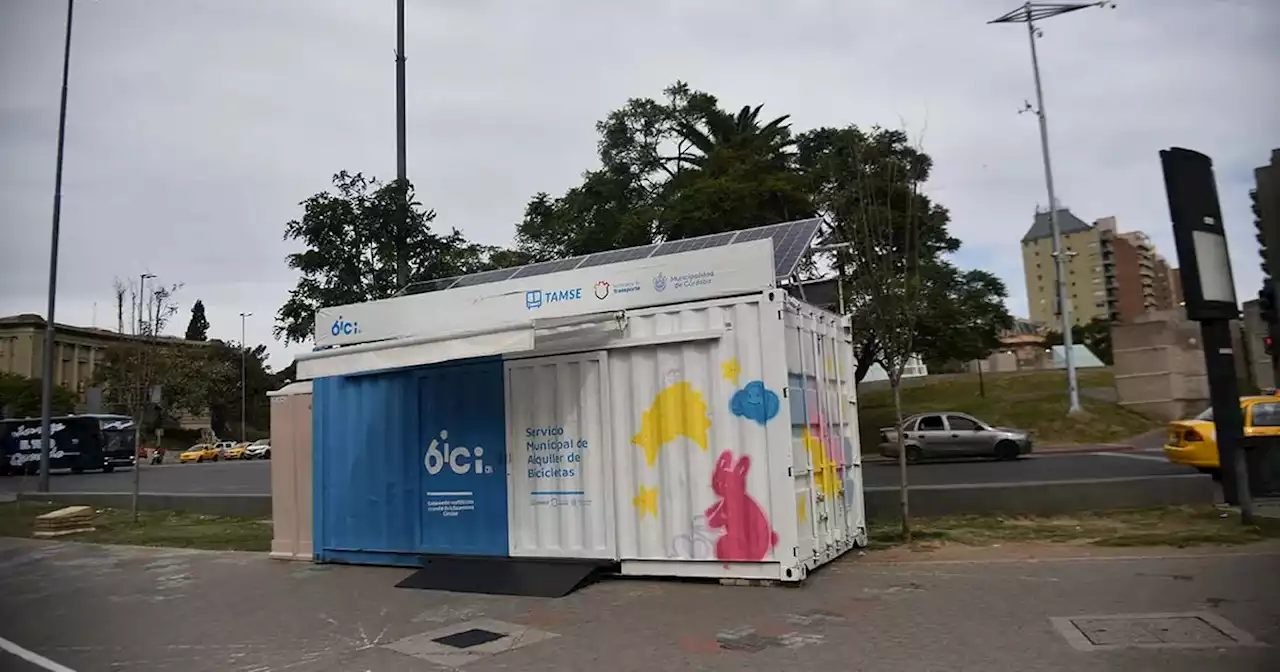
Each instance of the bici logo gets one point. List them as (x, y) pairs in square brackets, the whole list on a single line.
[(343, 328), (461, 460)]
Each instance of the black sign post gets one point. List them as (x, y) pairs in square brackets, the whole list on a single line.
[(1210, 299)]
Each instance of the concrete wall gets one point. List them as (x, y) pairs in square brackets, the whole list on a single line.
[(1159, 365)]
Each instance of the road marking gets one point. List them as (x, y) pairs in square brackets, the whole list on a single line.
[(32, 657), (1133, 456)]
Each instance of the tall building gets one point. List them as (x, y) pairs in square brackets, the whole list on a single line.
[(1110, 275)]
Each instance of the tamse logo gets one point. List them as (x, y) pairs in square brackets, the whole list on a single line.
[(343, 328), (534, 298), (461, 460)]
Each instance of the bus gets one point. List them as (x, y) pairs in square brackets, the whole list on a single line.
[(79, 443)]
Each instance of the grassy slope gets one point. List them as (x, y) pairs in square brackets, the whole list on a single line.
[(1034, 401), (154, 528)]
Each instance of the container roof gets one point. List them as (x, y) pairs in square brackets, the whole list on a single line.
[(790, 242)]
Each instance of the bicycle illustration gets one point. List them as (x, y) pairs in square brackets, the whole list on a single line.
[(698, 544)]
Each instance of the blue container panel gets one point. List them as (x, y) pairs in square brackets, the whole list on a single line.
[(367, 466)]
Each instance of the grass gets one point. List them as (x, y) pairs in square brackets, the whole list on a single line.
[(1178, 526), (1034, 401), (154, 528)]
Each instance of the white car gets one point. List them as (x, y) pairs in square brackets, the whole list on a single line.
[(260, 449)]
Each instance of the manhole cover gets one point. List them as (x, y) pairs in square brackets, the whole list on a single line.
[(469, 638), (1151, 631)]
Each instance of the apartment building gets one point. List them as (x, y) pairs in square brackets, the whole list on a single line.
[(1112, 275)]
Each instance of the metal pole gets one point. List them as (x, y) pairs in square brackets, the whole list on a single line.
[(244, 376), (1059, 258), (142, 383), (402, 168), (46, 381)]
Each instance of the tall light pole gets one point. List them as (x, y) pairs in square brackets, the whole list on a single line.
[(1029, 13), (142, 393), (244, 377), (402, 166), (46, 368)]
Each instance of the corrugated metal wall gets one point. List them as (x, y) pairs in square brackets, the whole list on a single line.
[(368, 465), (291, 473), (692, 426)]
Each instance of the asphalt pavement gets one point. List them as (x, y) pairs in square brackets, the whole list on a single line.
[(89, 607), (254, 477)]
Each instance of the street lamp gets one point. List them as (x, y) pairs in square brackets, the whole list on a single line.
[(1029, 13), (244, 385), (46, 382)]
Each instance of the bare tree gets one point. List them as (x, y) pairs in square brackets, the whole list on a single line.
[(880, 222), (160, 309), (120, 289)]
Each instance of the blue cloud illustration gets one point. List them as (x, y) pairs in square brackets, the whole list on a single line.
[(755, 402)]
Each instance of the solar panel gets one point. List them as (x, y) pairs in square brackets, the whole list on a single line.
[(790, 242), (544, 267), (617, 256), (691, 244), (484, 277)]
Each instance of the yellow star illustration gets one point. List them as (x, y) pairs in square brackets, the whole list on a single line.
[(646, 501), (731, 370)]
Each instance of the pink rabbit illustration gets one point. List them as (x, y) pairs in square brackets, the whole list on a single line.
[(747, 533)]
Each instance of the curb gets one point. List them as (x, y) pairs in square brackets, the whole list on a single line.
[(1067, 449)]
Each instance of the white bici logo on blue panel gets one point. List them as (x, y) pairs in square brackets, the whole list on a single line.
[(460, 459)]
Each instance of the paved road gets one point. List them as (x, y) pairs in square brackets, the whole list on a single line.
[(247, 478), (97, 607), (255, 477), (1033, 468)]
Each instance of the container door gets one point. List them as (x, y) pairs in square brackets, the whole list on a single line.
[(561, 493), (463, 455)]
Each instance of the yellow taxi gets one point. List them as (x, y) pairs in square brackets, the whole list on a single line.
[(201, 452), (236, 452), (1194, 442)]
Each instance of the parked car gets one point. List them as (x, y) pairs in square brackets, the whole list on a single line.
[(1194, 442), (260, 449), (236, 452), (953, 434), (201, 452)]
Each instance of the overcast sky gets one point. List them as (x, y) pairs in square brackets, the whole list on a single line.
[(196, 127)]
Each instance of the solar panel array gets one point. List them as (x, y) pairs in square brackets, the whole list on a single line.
[(790, 242)]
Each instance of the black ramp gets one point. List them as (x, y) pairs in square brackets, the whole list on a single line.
[(531, 577)]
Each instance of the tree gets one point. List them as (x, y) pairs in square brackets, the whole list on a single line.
[(883, 222), (20, 397), (671, 169), (855, 175), (188, 376), (198, 327), (120, 289), (351, 250), (963, 315)]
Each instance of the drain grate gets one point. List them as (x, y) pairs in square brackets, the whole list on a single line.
[(1151, 631), (469, 638)]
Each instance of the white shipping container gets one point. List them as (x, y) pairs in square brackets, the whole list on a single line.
[(712, 439)]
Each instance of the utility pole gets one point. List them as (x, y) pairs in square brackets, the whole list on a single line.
[(46, 368), (244, 377), (142, 393), (402, 168), (1029, 13)]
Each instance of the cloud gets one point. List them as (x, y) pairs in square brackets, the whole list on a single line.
[(755, 402), (195, 127)]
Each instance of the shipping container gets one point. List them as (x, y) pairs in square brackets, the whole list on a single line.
[(711, 433), (291, 479)]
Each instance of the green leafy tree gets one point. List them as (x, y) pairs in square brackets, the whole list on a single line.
[(351, 248), (964, 314), (198, 327), (188, 377), (671, 169), (856, 175), (20, 397)]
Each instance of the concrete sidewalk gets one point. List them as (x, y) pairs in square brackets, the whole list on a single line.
[(98, 608)]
